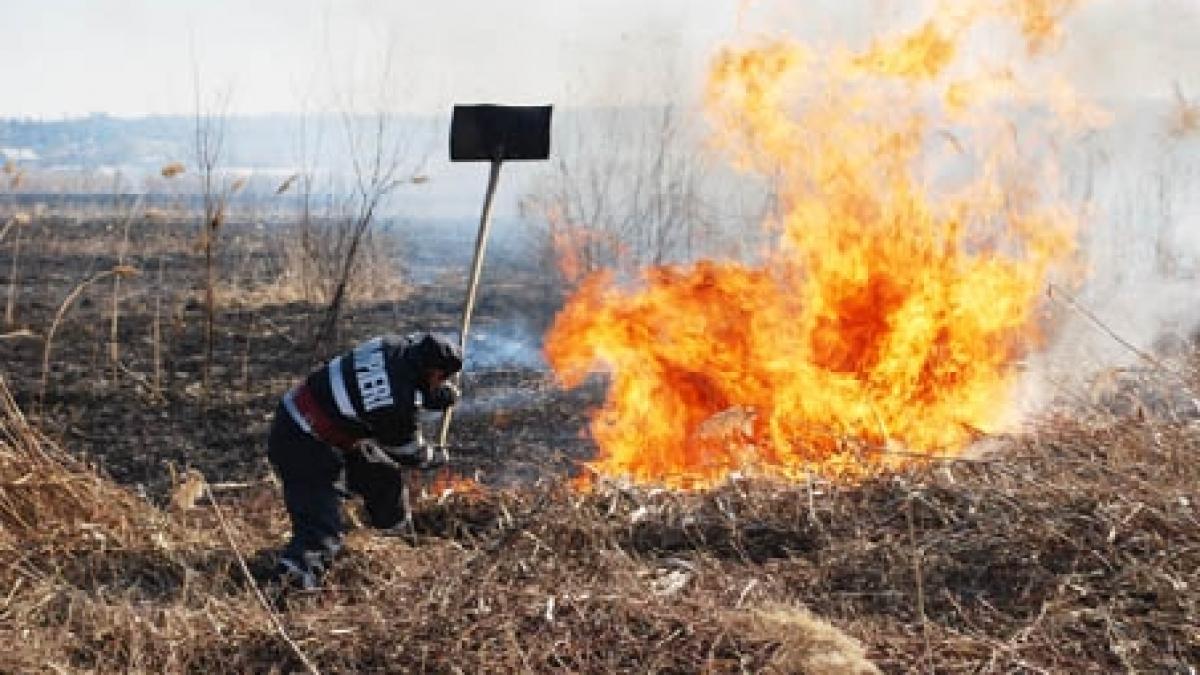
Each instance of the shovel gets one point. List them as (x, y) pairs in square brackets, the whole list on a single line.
[(492, 133)]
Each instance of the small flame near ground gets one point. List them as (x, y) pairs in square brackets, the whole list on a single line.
[(915, 235), (447, 482)]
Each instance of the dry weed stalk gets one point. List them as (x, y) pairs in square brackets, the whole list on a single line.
[(119, 271), (300, 263), (156, 334), (114, 345), (8, 225), (21, 221), (262, 600)]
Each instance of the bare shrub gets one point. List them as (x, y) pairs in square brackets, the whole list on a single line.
[(294, 266), (627, 188), (385, 152), (209, 147)]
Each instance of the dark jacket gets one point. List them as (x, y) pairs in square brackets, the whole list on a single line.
[(372, 390)]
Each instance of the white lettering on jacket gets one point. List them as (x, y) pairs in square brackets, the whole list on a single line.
[(371, 372)]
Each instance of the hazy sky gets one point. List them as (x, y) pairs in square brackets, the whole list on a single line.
[(132, 57)]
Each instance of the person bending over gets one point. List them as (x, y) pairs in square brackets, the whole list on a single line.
[(351, 427)]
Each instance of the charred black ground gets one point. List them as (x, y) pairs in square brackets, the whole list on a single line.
[(514, 416)]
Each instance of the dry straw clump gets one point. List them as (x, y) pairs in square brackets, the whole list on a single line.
[(48, 498), (1185, 117), (809, 644), (172, 169), (68, 537)]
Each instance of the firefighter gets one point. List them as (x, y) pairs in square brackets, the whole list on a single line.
[(351, 427)]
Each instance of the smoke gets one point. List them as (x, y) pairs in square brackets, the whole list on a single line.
[(1116, 49), (507, 345), (506, 359), (1136, 181), (1135, 315)]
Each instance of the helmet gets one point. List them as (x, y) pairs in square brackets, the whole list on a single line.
[(430, 352)]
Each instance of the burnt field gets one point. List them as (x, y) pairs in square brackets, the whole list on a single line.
[(146, 416), (1073, 547)]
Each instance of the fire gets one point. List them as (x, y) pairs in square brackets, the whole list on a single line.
[(914, 240), (447, 482), (579, 249), (567, 253)]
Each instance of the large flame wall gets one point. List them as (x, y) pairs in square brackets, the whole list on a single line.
[(886, 321)]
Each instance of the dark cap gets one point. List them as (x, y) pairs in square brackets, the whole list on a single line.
[(430, 351)]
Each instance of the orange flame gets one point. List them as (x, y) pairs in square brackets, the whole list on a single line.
[(447, 482), (567, 254), (579, 249), (887, 321)]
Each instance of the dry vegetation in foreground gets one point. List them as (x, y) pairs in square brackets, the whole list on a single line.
[(1077, 551)]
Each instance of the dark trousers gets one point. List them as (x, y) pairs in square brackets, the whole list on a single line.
[(316, 477)]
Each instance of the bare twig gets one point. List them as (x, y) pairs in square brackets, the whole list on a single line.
[(919, 577), (262, 600), (13, 274), (1070, 301)]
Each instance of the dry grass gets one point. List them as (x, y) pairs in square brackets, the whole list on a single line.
[(289, 267), (1077, 551), (1185, 116)]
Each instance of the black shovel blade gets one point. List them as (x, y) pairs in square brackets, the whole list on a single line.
[(484, 133)]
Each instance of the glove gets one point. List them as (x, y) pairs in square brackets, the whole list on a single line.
[(413, 455), (373, 453), (442, 397), (441, 456)]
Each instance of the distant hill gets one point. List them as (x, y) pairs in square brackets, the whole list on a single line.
[(263, 148), (262, 141)]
